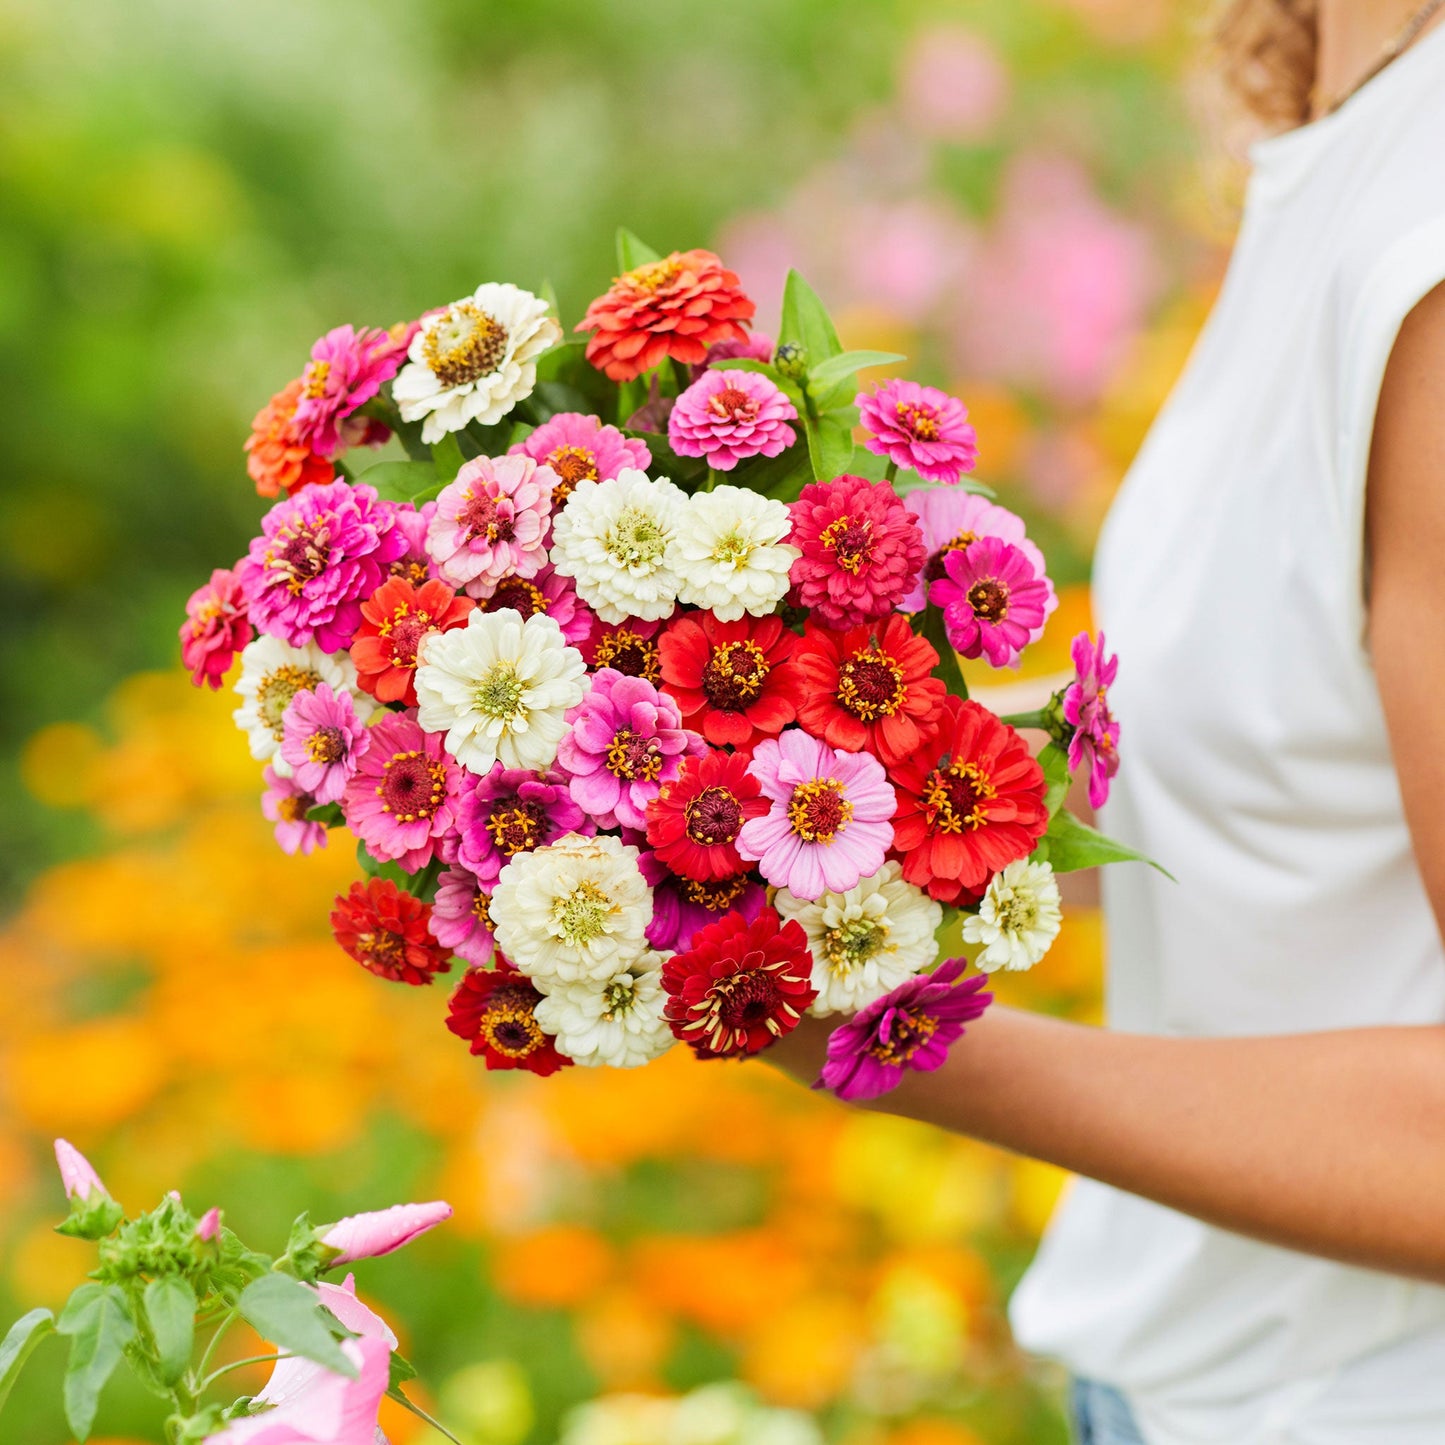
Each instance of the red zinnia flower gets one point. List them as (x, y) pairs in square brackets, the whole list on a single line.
[(676, 307), (277, 459), (627, 647), (493, 1009), (694, 822), (969, 805), (740, 986), (395, 618), (733, 681), (870, 689), (385, 930)]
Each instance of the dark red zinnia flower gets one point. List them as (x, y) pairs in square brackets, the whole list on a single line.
[(968, 805), (870, 689), (384, 929), (627, 647), (494, 1010), (694, 822), (741, 985), (733, 681)]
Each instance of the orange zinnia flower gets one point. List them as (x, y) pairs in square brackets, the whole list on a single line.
[(394, 619), (277, 460)]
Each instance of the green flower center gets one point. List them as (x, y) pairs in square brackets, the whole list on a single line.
[(733, 550), (499, 694), (852, 943), (636, 538), (276, 689), (581, 915), (619, 998)]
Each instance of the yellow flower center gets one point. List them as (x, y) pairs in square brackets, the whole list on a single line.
[(464, 345)]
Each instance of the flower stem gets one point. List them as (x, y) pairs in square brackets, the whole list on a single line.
[(890, 471), (210, 1350), (711, 479), (236, 1365)]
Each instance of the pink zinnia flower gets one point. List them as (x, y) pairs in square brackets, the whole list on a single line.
[(548, 592), (347, 368), (992, 600), (627, 740), (492, 521), (757, 347), (380, 1231), (76, 1173), (413, 562), (460, 916), (320, 555), (861, 550), (912, 1027), (728, 416), (511, 811), (682, 907), (919, 427), (1086, 709), (216, 628), (323, 740), (830, 822), (285, 804), (951, 519), (579, 448), (402, 800)]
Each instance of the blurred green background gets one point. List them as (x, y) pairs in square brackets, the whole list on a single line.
[(1006, 190)]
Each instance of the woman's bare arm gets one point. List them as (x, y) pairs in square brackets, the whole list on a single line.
[(1331, 1143)]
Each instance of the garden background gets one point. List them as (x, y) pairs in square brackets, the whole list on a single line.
[(1008, 191)]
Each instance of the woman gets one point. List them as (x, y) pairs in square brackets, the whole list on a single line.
[(1257, 1249)]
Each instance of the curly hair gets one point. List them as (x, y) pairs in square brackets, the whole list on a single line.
[(1268, 48)]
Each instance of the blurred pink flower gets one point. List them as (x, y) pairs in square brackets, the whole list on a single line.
[(380, 1231), (208, 1227), (952, 84), (76, 1174)]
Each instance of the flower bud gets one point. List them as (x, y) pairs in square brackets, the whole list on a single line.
[(76, 1174), (209, 1226), (791, 359), (93, 1213), (365, 1236)]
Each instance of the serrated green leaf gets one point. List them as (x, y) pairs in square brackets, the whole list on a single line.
[(21, 1338), (170, 1306), (830, 447), (839, 368), (806, 322), (447, 458), (329, 815), (283, 1311), (1055, 763), (1071, 845), (399, 481), (97, 1320), (633, 252)]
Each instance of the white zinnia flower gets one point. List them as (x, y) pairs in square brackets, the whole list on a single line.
[(1019, 917), (867, 941), (730, 555), (499, 688), (272, 673), (618, 540), (614, 1021), (474, 361), (572, 911)]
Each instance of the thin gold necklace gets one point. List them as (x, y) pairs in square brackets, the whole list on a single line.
[(1392, 52)]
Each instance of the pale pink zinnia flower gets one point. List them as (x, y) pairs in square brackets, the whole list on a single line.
[(992, 600), (830, 822), (380, 1231), (322, 740), (461, 918), (286, 805), (347, 368), (728, 416), (491, 522), (1086, 709), (216, 628), (950, 519), (919, 427)]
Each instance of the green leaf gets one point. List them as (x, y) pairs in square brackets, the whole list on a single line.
[(1071, 845), (632, 252), (447, 458), (548, 293), (1055, 763), (19, 1341), (830, 447), (839, 368), (402, 1370), (283, 1311), (666, 462), (806, 322), (382, 868), (170, 1306), (948, 665), (399, 481), (97, 1320), (328, 814)]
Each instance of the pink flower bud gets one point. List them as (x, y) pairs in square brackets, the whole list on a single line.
[(364, 1236), (209, 1226), (76, 1174)]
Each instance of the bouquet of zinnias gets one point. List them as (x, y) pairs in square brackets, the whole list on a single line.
[(637, 680)]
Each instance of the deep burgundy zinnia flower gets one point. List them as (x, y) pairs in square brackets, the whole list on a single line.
[(494, 1010), (385, 930)]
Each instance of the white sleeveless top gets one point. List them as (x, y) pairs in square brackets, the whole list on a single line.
[(1256, 767)]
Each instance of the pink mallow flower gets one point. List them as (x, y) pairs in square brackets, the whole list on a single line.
[(992, 600), (492, 522), (912, 1027), (919, 427), (306, 1404), (1086, 709), (323, 740), (320, 555), (347, 368), (951, 519), (461, 917), (208, 1226), (76, 1173), (402, 799), (728, 416), (380, 1231), (216, 628), (627, 740), (830, 822), (511, 811), (285, 803), (577, 448)]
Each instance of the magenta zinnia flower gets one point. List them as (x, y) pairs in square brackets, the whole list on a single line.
[(830, 822), (683, 906), (579, 448), (548, 592), (216, 628), (511, 811), (323, 740), (728, 416), (861, 550), (380, 1231), (285, 804), (912, 1027), (627, 740), (403, 798), (492, 521), (347, 368), (460, 916), (320, 555), (992, 600), (1096, 730), (919, 427), (951, 519)]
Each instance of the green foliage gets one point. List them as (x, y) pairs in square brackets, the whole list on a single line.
[(400, 481), (22, 1338), (1054, 760), (98, 1321), (948, 669), (170, 1314), (281, 1309), (329, 815), (632, 252), (1070, 845), (845, 366)]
